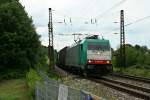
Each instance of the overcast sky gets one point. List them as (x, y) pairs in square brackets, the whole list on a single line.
[(106, 12)]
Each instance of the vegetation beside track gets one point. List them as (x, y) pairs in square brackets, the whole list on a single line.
[(135, 55), (133, 70), (137, 61), (53, 75), (32, 77), (20, 50), (14, 89)]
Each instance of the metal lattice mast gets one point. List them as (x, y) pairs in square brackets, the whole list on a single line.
[(122, 39), (50, 33)]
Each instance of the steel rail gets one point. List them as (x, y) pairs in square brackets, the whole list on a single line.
[(136, 91), (137, 78), (144, 89)]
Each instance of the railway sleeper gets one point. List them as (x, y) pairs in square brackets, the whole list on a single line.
[(133, 92)]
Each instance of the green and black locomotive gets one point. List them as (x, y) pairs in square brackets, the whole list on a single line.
[(90, 56)]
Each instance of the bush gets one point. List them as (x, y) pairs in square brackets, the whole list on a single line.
[(12, 74), (32, 77)]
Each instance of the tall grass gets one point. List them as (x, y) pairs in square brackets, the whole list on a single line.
[(32, 77), (136, 70)]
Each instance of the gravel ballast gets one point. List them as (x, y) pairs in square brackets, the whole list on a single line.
[(98, 89)]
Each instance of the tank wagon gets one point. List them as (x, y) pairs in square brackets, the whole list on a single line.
[(90, 56)]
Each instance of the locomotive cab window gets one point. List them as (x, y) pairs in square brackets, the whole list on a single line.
[(104, 47)]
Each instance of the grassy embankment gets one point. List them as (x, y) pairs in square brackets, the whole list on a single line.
[(14, 89), (32, 77), (22, 88), (134, 70)]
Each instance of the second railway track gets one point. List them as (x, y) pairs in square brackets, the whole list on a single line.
[(137, 91), (137, 78)]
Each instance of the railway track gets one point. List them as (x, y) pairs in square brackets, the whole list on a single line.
[(137, 91), (129, 88), (137, 78)]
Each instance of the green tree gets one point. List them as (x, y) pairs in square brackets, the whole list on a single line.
[(135, 55), (116, 61), (5, 1), (19, 43), (147, 58), (140, 57)]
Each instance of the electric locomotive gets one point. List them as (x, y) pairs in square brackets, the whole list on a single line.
[(90, 56)]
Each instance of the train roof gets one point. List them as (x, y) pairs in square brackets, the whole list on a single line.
[(90, 40), (63, 48), (95, 40)]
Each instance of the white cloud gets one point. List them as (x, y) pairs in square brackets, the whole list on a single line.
[(82, 11)]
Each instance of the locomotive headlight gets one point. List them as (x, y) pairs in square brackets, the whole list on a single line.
[(108, 62), (89, 61)]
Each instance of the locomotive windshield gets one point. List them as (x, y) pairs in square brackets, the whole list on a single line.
[(104, 47)]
